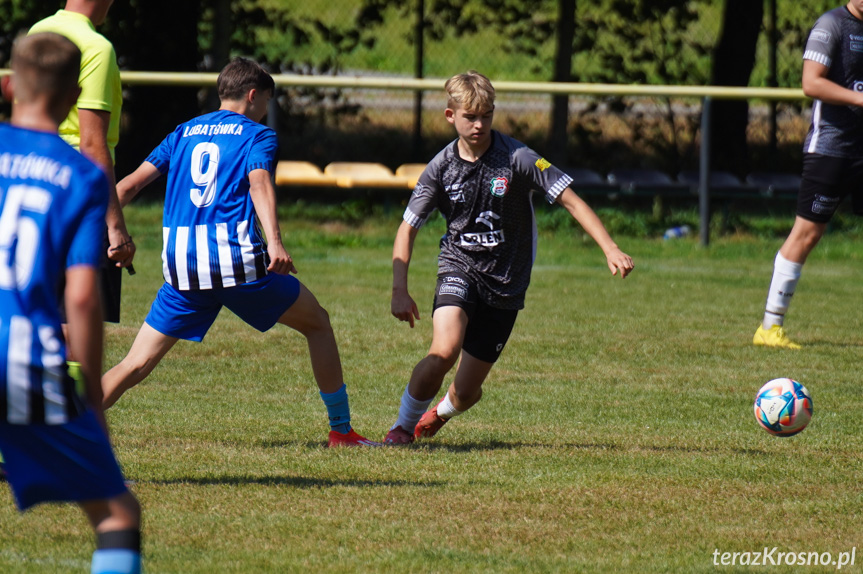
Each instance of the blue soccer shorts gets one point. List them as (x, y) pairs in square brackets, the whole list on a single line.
[(72, 462), (190, 314)]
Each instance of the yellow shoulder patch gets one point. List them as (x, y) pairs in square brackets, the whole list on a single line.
[(543, 164)]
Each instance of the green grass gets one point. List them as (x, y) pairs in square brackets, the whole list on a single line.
[(615, 435)]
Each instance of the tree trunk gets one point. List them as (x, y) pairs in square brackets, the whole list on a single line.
[(562, 73), (156, 43), (733, 61)]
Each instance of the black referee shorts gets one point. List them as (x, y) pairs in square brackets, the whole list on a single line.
[(110, 283)]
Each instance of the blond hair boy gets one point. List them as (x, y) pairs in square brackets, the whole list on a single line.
[(482, 184)]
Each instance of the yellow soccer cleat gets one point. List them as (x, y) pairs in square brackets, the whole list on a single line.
[(775, 336)]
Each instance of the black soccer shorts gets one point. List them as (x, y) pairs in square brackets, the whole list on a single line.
[(826, 182), (488, 328)]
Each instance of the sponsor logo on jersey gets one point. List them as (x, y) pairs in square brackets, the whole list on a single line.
[(857, 86), (499, 186), (543, 164), (820, 35), (856, 43), (455, 192), (485, 238)]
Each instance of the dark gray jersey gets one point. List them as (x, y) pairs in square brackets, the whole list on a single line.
[(836, 41), (491, 231)]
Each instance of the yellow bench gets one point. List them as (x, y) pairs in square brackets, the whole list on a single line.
[(347, 175), (302, 173)]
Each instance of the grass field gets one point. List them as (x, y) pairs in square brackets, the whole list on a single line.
[(615, 435)]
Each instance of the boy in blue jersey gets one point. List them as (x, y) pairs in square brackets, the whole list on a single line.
[(219, 193), (52, 211)]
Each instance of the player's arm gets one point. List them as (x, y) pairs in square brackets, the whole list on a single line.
[(817, 85), (93, 129), (587, 218), (134, 183), (263, 195), (85, 331), (402, 306)]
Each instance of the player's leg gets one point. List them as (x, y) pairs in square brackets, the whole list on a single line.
[(449, 324), (824, 184), (484, 340), (117, 523), (787, 269), (147, 351), (466, 389), (283, 299), (173, 315), (311, 320)]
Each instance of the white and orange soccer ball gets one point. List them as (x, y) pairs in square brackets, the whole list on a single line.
[(783, 407)]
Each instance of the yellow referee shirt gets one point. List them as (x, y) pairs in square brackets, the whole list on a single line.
[(99, 78)]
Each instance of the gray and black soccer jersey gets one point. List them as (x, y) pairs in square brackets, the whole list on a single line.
[(491, 230), (836, 41)]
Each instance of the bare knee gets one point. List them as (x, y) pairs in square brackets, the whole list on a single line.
[(803, 238), (313, 320)]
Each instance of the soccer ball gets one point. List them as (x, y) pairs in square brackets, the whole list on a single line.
[(783, 407)]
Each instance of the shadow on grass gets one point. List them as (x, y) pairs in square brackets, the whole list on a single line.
[(294, 481), (501, 445)]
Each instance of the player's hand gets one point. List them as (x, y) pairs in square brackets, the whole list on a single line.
[(280, 260), (403, 307), (121, 248), (620, 261)]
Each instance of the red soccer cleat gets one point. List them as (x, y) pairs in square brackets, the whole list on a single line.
[(429, 424), (350, 438), (398, 437)]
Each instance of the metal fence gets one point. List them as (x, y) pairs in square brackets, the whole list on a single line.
[(385, 91)]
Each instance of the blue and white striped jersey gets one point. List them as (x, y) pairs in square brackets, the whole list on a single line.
[(52, 216), (210, 233)]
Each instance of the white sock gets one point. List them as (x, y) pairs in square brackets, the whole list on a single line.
[(786, 274), (410, 412), (446, 410)]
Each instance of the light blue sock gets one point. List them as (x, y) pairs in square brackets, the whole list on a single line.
[(338, 409), (116, 561), (410, 411)]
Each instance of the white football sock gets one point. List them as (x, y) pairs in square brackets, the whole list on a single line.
[(410, 412), (786, 274), (446, 410)]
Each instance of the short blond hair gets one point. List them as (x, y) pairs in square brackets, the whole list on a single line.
[(470, 91)]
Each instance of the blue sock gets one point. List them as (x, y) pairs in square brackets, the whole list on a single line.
[(338, 409), (116, 561)]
